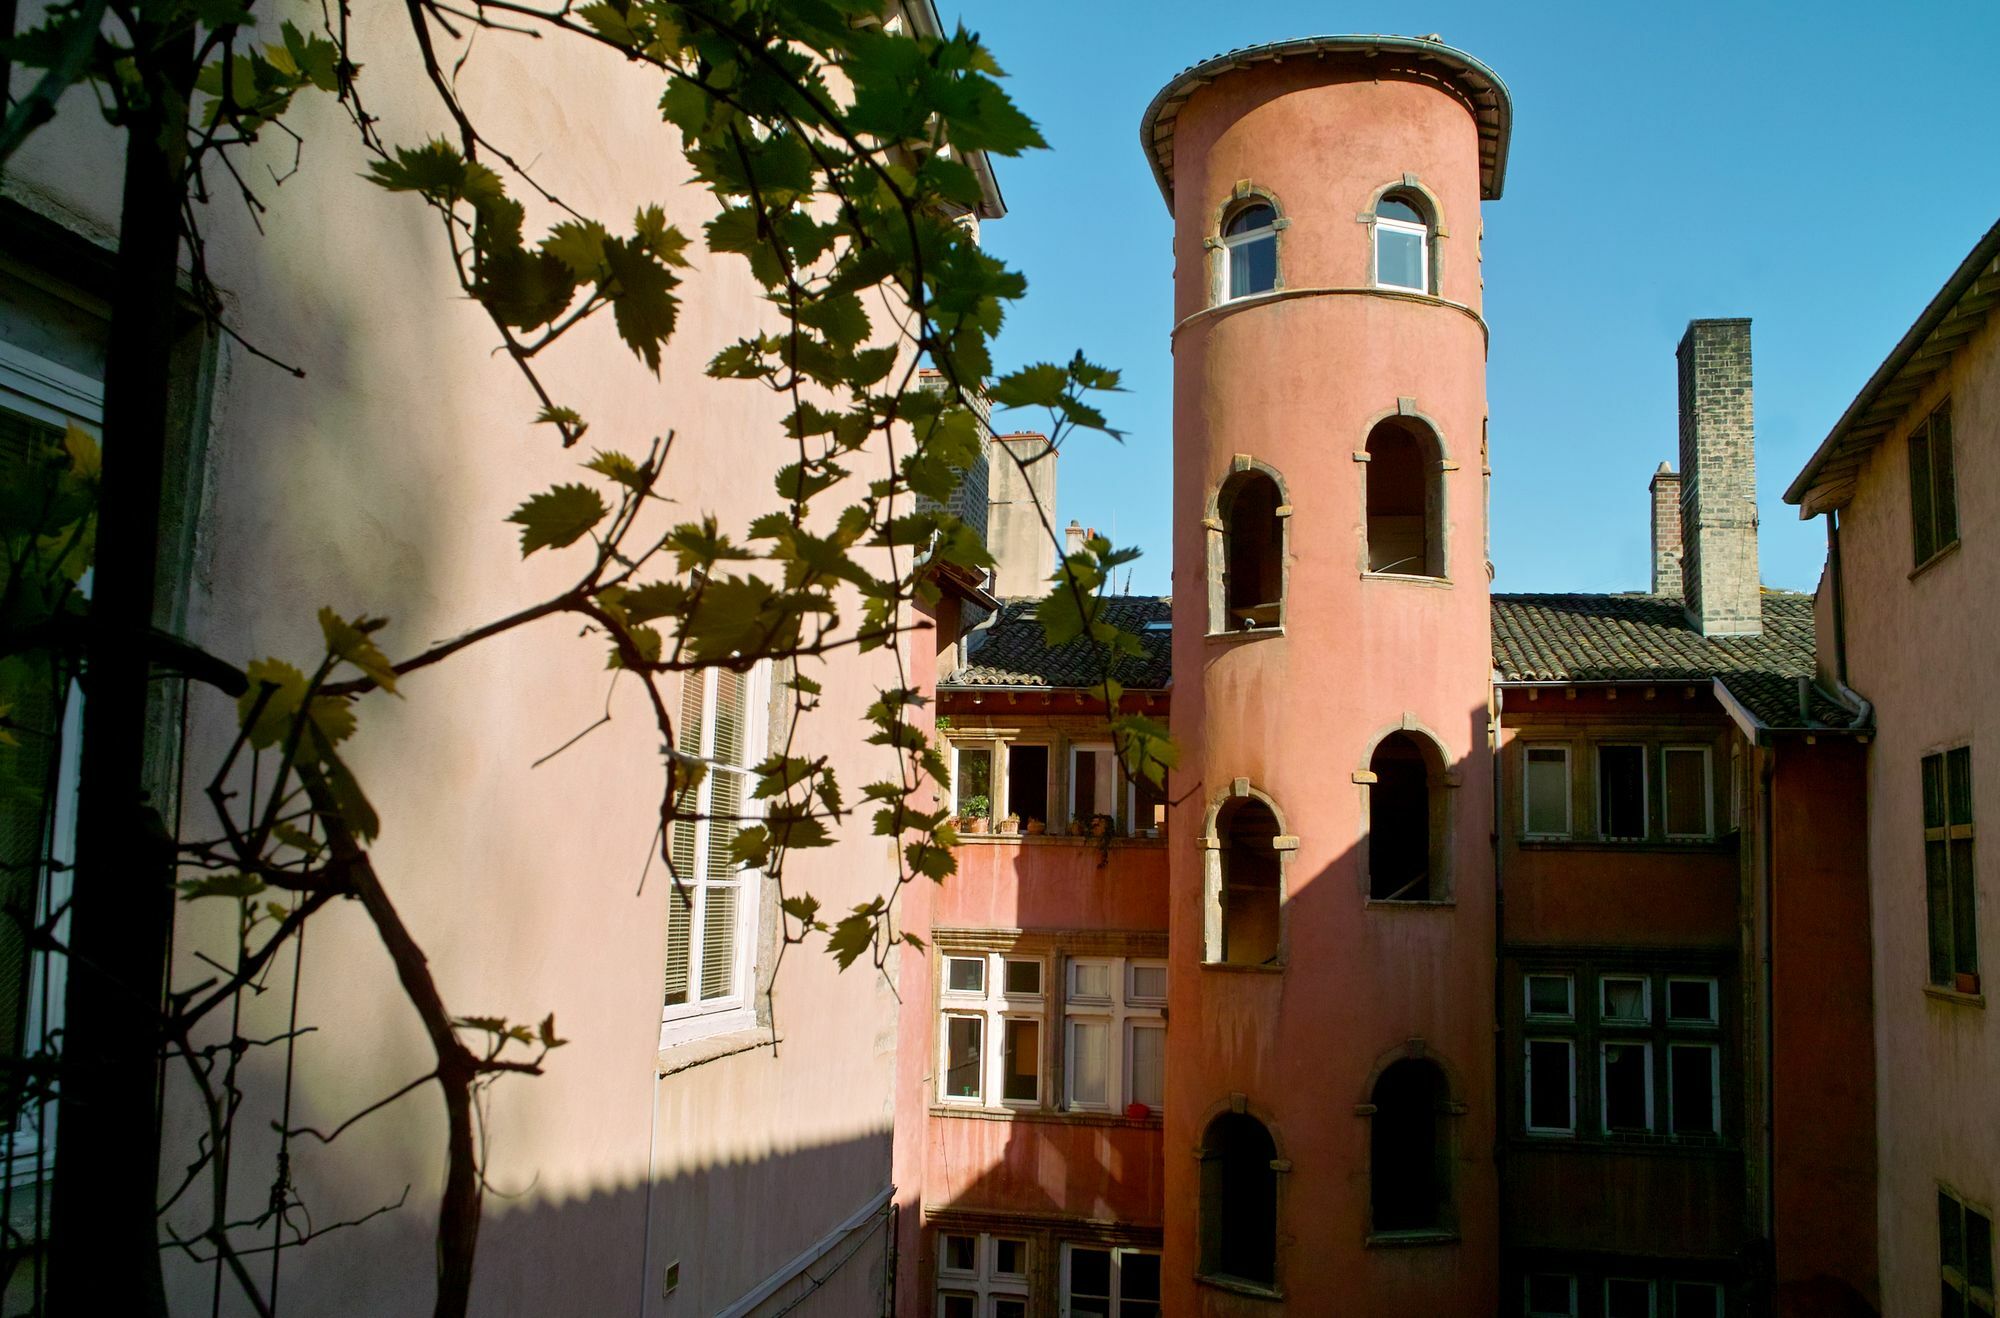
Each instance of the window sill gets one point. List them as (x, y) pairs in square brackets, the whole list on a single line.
[(1954, 997), (1410, 579), (1724, 845), (1404, 1239), (685, 1054), (1245, 967), (1048, 1116), (1935, 559), (1246, 634), (1645, 1146), (1425, 904), (1238, 1286), (1058, 839)]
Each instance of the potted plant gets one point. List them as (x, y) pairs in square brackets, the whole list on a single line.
[(1098, 826), (973, 814), (1036, 827), (1010, 825)]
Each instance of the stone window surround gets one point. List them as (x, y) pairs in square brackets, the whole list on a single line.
[(1281, 1165), (1444, 812), (1216, 558), (1438, 231), (1407, 409), (1286, 844), (1242, 193), (1452, 1107)]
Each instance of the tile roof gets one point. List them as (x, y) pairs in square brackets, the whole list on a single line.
[(1638, 638), (1011, 650)]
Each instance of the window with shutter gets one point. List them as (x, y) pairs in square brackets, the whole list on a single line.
[(1949, 878), (1933, 486)]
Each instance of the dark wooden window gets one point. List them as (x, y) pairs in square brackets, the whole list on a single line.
[(1965, 1259), (1621, 791), (1239, 1200), (1408, 1168), (1399, 822), (1933, 485), (1948, 870)]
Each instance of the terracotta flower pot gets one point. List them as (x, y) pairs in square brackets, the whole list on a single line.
[(974, 825)]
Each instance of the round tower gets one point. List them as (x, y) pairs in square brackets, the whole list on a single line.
[(1329, 1114)]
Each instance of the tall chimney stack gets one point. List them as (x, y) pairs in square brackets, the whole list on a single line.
[(1667, 532), (1023, 473), (1719, 584)]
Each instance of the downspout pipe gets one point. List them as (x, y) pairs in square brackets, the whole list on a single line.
[(1499, 950), (1839, 595), (1769, 919)]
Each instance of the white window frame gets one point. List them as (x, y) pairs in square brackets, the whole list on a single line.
[(1117, 1013), (1422, 233), (1528, 995), (985, 1283), (994, 1006), (1604, 1089), (1004, 774), (1116, 1300), (1714, 1051), (1645, 792), (700, 1018), (1713, 1288), (1528, 1086), (1107, 780), (991, 747), (1707, 754), (1652, 1293), (1645, 983), (1228, 243), (1568, 795), (1714, 987), (49, 392), (1526, 1307)]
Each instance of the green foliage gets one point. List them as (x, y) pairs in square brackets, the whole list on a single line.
[(558, 517)]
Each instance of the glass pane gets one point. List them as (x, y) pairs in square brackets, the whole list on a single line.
[(1687, 793), (1023, 1077), (1933, 791), (1625, 1087), (1549, 1084), (975, 779), (1009, 1307), (1697, 1299), (1979, 1249), (1028, 783), (732, 691), (1691, 1000), (1951, 1234), (726, 795), (1253, 267), (1624, 1298), (1937, 899), (1621, 791), (718, 944), (1090, 979), (1951, 1304), (1139, 1309), (1250, 218), (1548, 995), (1625, 999), (1693, 1083), (962, 1044), (1921, 524), (1149, 1066), (1090, 783), (1399, 258), (1944, 480), (1958, 779), (1089, 1063), (1138, 1278), (680, 923), (1024, 978), (957, 1304), (694, 702), (965, 974), (1149, 982), (1548, 792), (1089, 1273), (1549, 1295), (1964, 910), (25, 799), (961, 1253), (1010, 1258)]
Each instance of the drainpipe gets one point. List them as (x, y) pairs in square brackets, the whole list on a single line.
[(1769, 812), (1499, 963), (1839, 594)]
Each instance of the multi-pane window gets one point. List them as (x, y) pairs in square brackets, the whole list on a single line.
[(1965, 1258), (1545, 792), (1628, 1297), (1933, 485), (1110, 1283), (1690, 798), (1250, 249), (1556, 1295), (1621, 791), (1551, 1087), (1657, 1045), (1694, 1299), (1402, 244), (711, 909), (992, 1008), (981, 1275), (1948, 874), (1549, 1295), (1114, 1032)]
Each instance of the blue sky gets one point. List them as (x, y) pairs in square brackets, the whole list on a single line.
[(1819, 168)]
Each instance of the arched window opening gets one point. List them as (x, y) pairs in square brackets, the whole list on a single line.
[(1239, 1200), (1249, 833), (1409, 1163), (1405, 499), (1402, 243), (1399, 822), (1250, 246), (1253, 546)]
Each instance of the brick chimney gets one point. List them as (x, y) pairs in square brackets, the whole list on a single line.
[(1667, 532), (1073, 537), (1023, 557), (1719, 584)]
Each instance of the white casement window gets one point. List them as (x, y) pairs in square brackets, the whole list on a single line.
[(712, 908), (1621, 792), (39, 400), (1114, 1034), (992, 1009), (981, 1275), (1625, 1000), (972, 777), (1692, 1000), (1402, 244), (1551, 1087), (1093, 782), (1550, 996), (1688, 786), (1098, 1282), (1250, 250), (1545, 792), (1696, 1299), (1625, 1086), (1627, 1297), (1694, 1089), (1549, 1295)]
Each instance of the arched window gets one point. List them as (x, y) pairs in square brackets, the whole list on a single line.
[(1253, 553), (1250, 247), (1405, 482), (1409, 1160), (1402, 242), (1239, 1200), (1248, 890), (1409, 821)]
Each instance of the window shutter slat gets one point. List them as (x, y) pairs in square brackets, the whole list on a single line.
[(718, 944)]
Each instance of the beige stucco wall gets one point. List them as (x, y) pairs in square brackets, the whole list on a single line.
[(379, 485), (1922, 649)]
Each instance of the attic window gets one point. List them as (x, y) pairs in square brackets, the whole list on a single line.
[(1158, 625)]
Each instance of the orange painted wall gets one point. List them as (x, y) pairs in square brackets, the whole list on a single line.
[(1055, 883), (1296, 382)]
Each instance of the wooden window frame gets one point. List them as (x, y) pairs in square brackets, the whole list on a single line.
[(1934, 524), (1568, 793), (1528, 1088), (1707, 754), (1944, 833)]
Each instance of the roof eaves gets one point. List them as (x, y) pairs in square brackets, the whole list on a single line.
[(925, 18)]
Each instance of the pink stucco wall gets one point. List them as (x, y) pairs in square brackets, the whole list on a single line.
[(1296, 382)]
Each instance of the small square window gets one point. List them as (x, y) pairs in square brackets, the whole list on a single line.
[(1090, 981), (1625, 1297), (1009, 1306), (961, 1254), (1697, 1299), (1010, 1257), (1149, 982), (965, 974), (1023, 978), (1552, 996), (1626, 1001), (957, 1304), (1692, 1002), (1551, 1295)]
